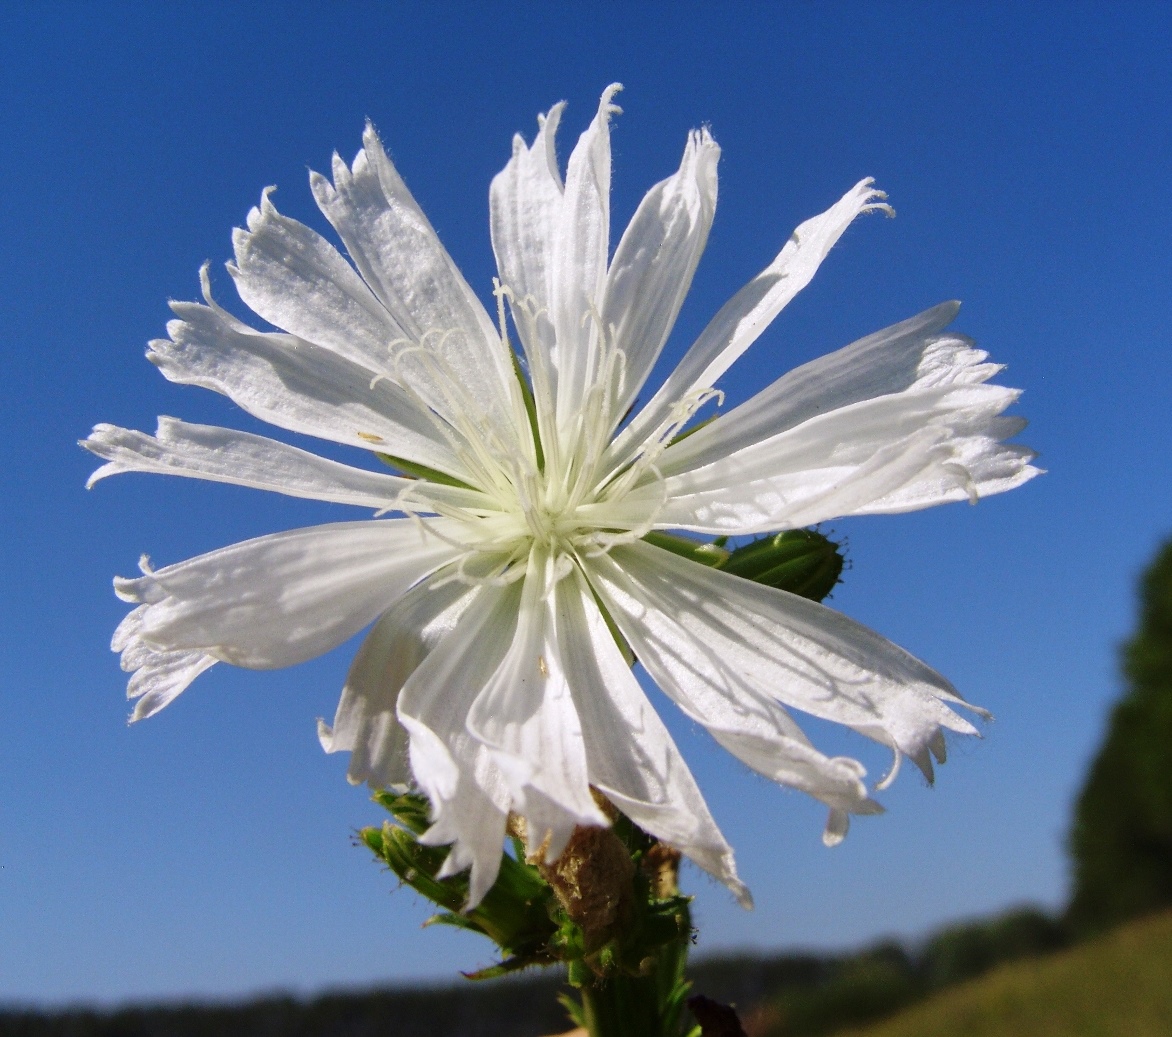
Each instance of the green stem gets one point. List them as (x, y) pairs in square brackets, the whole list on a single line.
[(650, 1005), (622, 1006)]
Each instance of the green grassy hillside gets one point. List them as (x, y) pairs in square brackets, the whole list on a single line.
[(1120, 984)]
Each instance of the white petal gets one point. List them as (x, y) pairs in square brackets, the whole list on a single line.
[(401, 258), (888, 361), (631, 757), (655, 260), (465, 817), (162, 678), (807, 494), (525, 202), (740, 643), (298, 386), (977, 466), (296, 280), (158, 677), (228, 456), (579, 262), (288, 597), (747, 314), (468, 795), (742, 717), (526, 715), (890, 454), (366, 724)]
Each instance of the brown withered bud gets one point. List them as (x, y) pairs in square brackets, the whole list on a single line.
[(661, 864), (592, 880)]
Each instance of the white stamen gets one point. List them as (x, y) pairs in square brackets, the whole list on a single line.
[(659, 440)]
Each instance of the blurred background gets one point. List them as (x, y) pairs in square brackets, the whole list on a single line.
[(1026, 147)]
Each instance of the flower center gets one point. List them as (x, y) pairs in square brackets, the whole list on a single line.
[(548, 513)]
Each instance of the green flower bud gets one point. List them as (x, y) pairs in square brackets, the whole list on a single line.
[(801, 561)]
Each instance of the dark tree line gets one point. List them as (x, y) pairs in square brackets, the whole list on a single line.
[(805, 995), (1121, 842)]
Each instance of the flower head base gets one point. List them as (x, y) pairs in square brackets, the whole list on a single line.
[(523, 547)]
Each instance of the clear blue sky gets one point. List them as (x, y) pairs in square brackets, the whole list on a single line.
[(1027, 150)]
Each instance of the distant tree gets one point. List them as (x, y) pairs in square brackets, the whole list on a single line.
[(966, 950), (1121, 842)]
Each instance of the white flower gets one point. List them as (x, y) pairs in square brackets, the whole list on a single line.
[(492, 675)]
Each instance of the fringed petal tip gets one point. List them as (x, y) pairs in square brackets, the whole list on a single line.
[(325, 735), (893, 772), (358, 772), (160, 677), (102, 441), (839, 819), (701, 147), (126, 589), (870, 199), (722, 866), (932, 747), (550, 120), (605, 107), (267, 209), (837, 825), (739, 890)]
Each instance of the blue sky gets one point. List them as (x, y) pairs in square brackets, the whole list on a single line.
[(1026, 148)]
